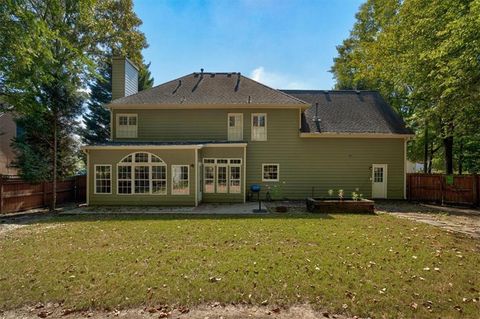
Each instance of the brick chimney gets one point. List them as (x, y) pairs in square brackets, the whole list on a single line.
[(124, 77)]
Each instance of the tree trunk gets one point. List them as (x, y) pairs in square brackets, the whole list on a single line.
[(425, 154), (448, 146), (54, 181)]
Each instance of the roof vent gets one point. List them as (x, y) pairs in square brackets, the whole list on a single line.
[(237, 86), (316, 119), (249, 99), (178, 86)]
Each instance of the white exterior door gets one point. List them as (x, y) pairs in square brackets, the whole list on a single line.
[(379, 181), (235, 127)]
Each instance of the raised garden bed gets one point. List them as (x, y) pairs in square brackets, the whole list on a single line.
[(335, 206)]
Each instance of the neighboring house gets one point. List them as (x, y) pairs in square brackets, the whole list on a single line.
[(413, 167), (206, 137), (8, 131)]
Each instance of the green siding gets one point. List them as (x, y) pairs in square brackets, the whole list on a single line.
[(178, 125), (170, 157), (322, 163), (305, 163)]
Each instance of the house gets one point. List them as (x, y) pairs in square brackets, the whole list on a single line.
[(8, 131), (207, 137)]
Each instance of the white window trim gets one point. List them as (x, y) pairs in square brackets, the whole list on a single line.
[(278, 172), (228, 127), (230, 178), (228, 164), (150, 181), (227, 176), (188, 181), (252, 127), (212, 165), (95, 179), (117, 121)]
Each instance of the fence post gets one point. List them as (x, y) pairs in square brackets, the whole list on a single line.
[(75, 188), (442, 188), (1, 194), (409, 187), (475, 190), (44, 185)]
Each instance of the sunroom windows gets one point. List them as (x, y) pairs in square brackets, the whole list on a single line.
[(142, 173), (103, 179), (222, 175), (127, 125), (180, 180)]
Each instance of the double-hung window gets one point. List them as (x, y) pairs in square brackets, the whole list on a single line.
[(103, 179), (142, 173), (270, 172), (127, 125), (180, 180), (259, 127), (235, 126)]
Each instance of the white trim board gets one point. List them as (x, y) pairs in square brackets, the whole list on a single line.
[(355, 135)]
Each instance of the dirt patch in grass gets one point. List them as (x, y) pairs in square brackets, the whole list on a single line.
[(465, 221), (212, 311)]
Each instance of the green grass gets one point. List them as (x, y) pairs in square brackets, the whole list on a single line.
[(354, 264)]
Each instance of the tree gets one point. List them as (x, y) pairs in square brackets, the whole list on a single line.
[(423, 57), (97, 116), (44, 71)]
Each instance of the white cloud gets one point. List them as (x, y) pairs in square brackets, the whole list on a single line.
[(276, 80)]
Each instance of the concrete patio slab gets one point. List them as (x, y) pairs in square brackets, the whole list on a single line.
[(215, 209)]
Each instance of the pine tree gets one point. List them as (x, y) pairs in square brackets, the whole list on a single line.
[(97, 117)]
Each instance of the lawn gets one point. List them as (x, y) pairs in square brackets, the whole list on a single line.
[(377, 266)]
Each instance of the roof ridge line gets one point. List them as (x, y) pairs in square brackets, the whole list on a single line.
[(276, 90)]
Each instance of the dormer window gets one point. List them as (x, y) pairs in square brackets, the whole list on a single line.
[(127, 125), (259, 127)]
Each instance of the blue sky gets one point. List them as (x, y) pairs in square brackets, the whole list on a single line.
[(281, 43)]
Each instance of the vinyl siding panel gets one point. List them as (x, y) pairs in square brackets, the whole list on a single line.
[(320, 164), (118, 78), (179, 125), (306, 164), (131, 79), (113, 157)]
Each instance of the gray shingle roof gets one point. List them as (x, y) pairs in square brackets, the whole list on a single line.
[(210, 88), (349, 112)]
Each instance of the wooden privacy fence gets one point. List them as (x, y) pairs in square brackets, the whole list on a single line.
[(17, 195), (439, 188)]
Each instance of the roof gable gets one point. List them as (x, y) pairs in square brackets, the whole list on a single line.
[(210, 88)]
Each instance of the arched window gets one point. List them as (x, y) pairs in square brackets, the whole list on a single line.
[(142, 173)]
